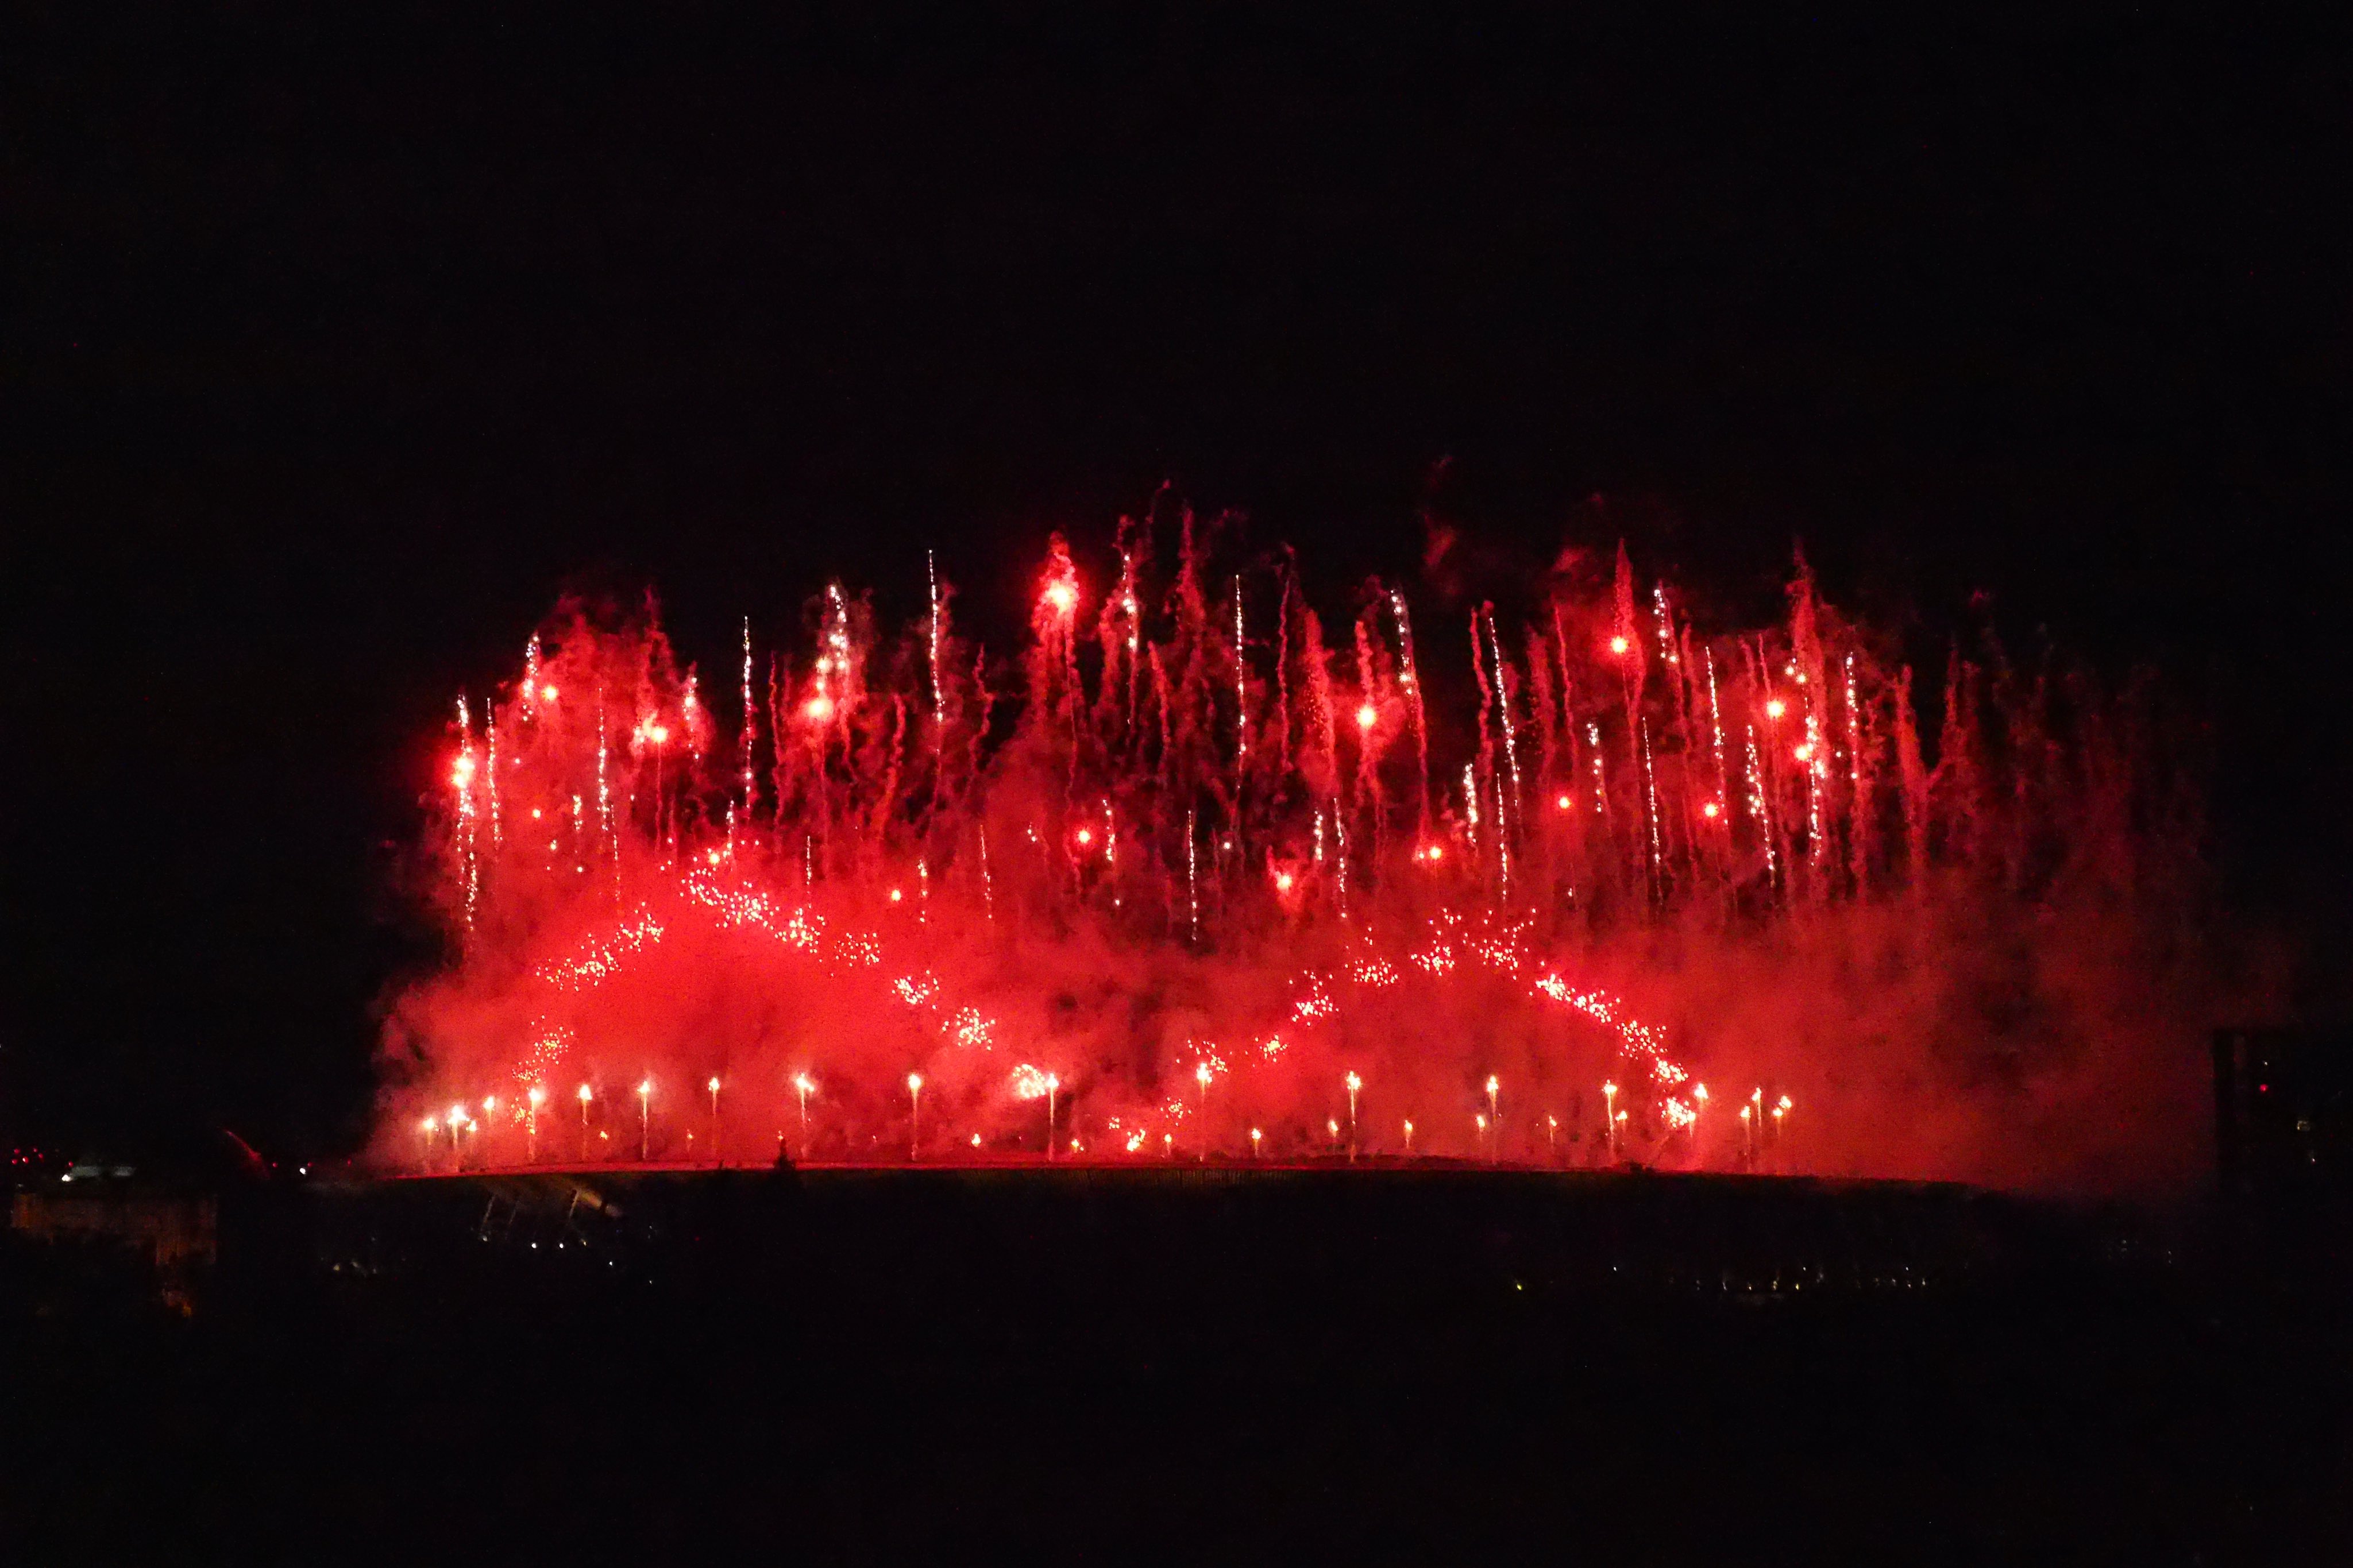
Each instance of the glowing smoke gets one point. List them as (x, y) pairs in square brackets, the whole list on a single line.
[(1199, 834)]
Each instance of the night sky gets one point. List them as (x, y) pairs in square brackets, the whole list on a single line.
[(332, 348)]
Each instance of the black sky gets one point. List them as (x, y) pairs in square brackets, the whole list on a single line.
[(332, 345)]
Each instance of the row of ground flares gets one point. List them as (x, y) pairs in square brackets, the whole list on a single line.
[(1759, 1136)]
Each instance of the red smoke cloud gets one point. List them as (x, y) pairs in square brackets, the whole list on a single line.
[(1640, 856)]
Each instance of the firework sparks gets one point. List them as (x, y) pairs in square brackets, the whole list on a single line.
[(1167, 870)]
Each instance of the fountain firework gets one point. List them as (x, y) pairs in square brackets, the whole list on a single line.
[(1178, 845)]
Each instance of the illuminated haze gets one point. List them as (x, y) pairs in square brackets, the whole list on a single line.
[(1951, 919)]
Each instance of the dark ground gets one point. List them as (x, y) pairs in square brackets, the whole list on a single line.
[(1429, 1369)]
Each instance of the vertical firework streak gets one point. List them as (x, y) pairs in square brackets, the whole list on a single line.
[(1809, 757), (1242, 695), (1600, 780), (1192, 877), (1340, 849), (1516, 820), (1470, 805), (608, 845), (1760, 808), (751, 795), (1715, 729), (1503, 711), (1650, 795), (932, 631), (491, 773), (462, 779), (1412, 678), (1503, 849), (1858, 816)]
